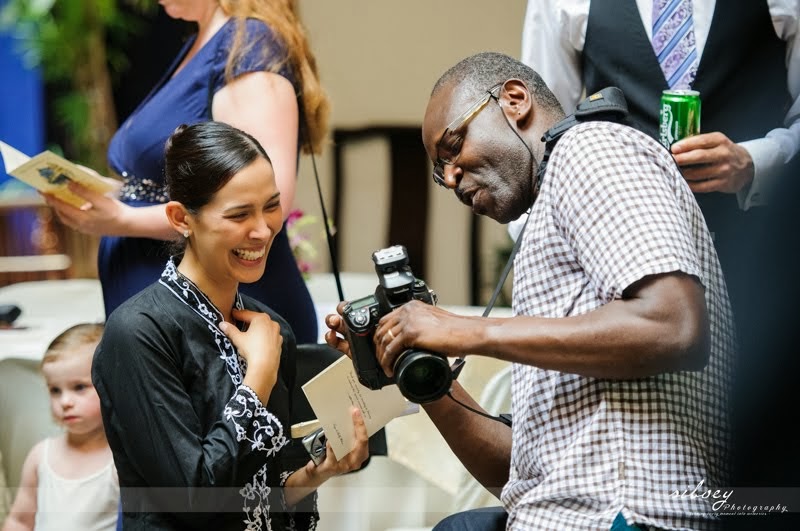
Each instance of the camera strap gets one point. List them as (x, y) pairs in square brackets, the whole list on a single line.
[(458, 364), (304, 132), (608, 104), (328, 234)]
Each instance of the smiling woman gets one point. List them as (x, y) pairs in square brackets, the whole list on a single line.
[(213, 370), (231, 204)]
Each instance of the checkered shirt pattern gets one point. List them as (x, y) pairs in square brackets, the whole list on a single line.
[(614, 208)]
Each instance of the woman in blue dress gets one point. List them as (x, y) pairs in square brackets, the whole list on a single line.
[(248, 65)]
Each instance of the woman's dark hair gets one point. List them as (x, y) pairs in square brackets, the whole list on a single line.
[(201, 158)]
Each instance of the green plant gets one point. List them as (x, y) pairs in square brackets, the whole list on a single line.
[(78, 45)]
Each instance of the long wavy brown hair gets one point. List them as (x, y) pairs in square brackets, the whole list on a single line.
[(282, 17)]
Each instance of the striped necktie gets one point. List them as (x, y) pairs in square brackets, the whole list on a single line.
[(673, 41)]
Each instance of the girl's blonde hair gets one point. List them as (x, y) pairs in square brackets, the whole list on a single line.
[(68, 341), (282, 17)]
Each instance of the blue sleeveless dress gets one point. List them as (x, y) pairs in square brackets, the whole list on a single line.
[(128, 265)]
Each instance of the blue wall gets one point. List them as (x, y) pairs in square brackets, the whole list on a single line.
[(21, 102), (22, 126)]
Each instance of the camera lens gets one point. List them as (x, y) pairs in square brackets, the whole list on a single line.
[(422, 377)]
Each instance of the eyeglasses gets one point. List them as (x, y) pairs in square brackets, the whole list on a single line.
[(452, 140)]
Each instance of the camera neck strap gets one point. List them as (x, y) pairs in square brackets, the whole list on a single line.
[(325, 222), (608, 104), (458, 364)]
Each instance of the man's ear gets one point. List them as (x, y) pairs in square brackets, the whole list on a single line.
[(178, 217), (516, 102)]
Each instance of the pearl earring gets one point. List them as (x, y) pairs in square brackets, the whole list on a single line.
[(186, 234)]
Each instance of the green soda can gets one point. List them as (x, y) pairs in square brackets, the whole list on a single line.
[(679, 115)]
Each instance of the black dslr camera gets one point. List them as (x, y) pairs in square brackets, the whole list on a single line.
[(421, 376)]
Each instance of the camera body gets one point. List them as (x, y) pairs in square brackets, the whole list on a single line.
[(315, 445), (421, 376)]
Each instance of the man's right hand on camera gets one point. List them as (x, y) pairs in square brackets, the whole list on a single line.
[(424, 327)]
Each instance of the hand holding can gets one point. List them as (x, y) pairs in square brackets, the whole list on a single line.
[(679, 115)]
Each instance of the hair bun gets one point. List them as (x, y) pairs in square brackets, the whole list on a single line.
[(174, 136)]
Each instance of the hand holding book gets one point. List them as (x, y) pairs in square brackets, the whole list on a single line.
[(52, 174), (335, 390), (84, 200)]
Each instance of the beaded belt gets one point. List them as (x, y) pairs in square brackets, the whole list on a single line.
[(135, 189)]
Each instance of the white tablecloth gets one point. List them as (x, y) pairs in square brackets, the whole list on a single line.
[(48, 308)]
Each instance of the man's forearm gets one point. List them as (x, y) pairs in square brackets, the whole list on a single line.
[(482, 445)]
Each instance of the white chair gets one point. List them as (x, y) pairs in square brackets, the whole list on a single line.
[(24, 420), (496, 398)]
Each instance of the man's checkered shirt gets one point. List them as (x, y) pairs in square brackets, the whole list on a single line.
[(614, 208)]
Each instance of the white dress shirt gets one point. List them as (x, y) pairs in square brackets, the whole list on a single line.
[(553, 37)]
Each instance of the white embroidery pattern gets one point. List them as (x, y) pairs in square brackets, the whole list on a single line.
[(257, 491), (252, 421), (188, 293), (264, 428), (312, 523)]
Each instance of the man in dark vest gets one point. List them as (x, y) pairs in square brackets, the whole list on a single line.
[(743, 56), (746, 66)]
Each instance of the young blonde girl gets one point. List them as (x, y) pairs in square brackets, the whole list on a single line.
[(69, 481)]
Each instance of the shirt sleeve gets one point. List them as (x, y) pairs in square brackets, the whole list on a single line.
[(149, 415), (261, 51), (622, 206), (305, 514), (553, 35), (771, 153)]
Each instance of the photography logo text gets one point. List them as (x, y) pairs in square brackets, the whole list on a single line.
[(721, 503)]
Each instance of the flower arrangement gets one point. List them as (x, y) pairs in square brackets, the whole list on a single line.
[(298, 230)]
